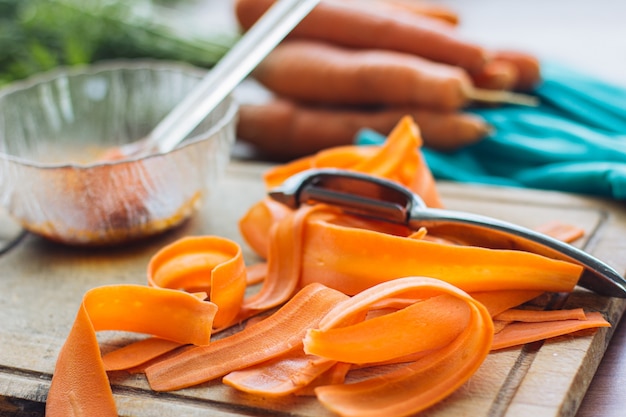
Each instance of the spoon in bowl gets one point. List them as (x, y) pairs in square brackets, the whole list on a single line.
[(220, 81)]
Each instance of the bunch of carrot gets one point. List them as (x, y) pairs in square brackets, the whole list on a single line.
[(348, 293), (364, 64)]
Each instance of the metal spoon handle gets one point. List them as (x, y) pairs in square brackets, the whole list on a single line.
[(230, 70)]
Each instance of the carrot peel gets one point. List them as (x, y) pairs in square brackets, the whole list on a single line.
[(281, 376), (267, 339), (211, 264), (414, 387), (518, 333), (80, 372)]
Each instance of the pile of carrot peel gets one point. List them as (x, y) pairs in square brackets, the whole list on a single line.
[(338, 294)]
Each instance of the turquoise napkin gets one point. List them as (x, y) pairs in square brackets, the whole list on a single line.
[(574, 141)]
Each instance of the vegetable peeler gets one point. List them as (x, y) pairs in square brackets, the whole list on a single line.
[(382, 199)]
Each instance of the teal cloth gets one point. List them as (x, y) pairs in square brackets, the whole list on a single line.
[(574, 141)]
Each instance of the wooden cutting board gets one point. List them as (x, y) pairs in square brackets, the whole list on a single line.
[(42, 285)]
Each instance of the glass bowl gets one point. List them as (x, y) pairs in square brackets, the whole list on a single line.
[(55, 128)]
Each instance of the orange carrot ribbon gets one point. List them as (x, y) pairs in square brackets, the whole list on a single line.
[(264, 340), (80, 386), (454, 329)]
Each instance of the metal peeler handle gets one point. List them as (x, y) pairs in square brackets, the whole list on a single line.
[(597, 275), (383, 199)]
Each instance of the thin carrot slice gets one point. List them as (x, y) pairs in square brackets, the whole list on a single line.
[(254, 226), (169, 314), (284, 264), (412, 388), (499, 301), (256, 273), (275, 176), (536, 316), (499, 325), (137, 353), (379, 257), (520, 333), (428, 380), (426, 325), (411, 170), (281, 376), (267, 339), (335, 375), (211, 264)]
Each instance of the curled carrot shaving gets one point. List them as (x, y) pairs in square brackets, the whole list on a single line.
[(282, 271), (257, 221), (80, 385), (206, 263), (426, 325), (262, 341), (412, 388), (399, 159)]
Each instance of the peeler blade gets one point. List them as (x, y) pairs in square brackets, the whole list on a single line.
[(375, 197)]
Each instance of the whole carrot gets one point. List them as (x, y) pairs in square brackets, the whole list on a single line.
[(318, 72), (365, 25), (527, 65), (430, 9), (283, 129), (497, 75)]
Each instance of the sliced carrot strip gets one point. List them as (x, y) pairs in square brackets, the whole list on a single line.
[(530, 316), (411, 170), (332, 258), (284, 264), (267, 339), (254, 226), (279, 377), (79, 384), (520, 333), (137, 353), (275, 176), (499, 301), (426, 325), (417, 386), (412, 388), (566, 232), (499, 325), (336, 157), (256, 273), (335, 375), (205, 263), (141, 368)]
